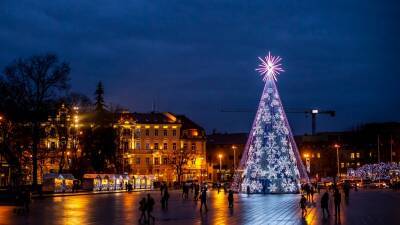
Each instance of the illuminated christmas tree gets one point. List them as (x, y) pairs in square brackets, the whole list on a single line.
[(271, 162)]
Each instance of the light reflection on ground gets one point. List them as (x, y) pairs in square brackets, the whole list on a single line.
[(122, 208)]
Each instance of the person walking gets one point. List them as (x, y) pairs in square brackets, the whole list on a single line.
[(149, 208), (312, 192), (337, 199), (196, 192), (203, 200), (346, 190), (303, 206), (230, 199), (143, 209), (325, 204), (165, 198)]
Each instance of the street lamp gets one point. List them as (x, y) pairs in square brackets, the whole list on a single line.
[(234, 157), (307, 157), (220, 166), (337, 159)]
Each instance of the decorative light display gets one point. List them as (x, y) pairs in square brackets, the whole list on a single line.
[(379, 171), (271, 162)]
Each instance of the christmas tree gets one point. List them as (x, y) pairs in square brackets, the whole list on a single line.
[(271, 162)]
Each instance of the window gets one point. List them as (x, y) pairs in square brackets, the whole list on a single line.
[(147, 146), (174, 133), (165, 132), (165, 161), (155, 132), (358, 155), (156, 161), (51, 161), (137, 161), (184, 146), (352, 155), (193, 146), (173, 146), (358, 164), (137, 145), (318, 155), (156, 146), (147, 132), (147, 161), (342, 165), (125, 145), (165, 147)]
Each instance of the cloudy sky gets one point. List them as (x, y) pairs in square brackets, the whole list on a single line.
[(198, 57)]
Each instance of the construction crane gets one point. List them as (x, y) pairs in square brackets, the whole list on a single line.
[(312, 112)]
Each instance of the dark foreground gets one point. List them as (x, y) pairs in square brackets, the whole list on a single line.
[(365, 207)]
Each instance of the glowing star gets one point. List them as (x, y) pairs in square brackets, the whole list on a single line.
[(270, 67)]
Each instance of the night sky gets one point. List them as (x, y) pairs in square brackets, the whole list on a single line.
[(198, 57)]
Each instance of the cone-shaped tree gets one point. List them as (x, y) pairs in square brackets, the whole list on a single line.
[(271, 162)]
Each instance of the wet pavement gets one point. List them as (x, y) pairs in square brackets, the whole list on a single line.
[(365, 207)]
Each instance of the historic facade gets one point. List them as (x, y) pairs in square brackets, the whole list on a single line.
[(168, 146)]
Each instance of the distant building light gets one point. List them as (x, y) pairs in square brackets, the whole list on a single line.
[(314, 111)]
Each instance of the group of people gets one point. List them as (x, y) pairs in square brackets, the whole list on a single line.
[(146, 206), (336, 195)]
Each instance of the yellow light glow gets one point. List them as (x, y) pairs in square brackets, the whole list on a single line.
[(165, 127), (137, 126), (220, 156), (156, 126), (147, 126), (174, 127)]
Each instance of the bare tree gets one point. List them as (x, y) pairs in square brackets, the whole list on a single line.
[(29, 86), (178, 160)]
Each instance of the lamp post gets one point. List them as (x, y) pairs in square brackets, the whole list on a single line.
[(308, 163), (337, 159), (234, 157), (220, 166)]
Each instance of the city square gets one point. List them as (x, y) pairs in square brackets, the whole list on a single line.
[(365, 207), (199, 112)]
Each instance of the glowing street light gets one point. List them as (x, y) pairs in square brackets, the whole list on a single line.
[(234, 157), (220, 165), (337, 158)]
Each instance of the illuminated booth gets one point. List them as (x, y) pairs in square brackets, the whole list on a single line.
[(92, 182), (58, 182)]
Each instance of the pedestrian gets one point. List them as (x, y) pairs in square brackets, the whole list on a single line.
[(196, 192), (337, 199), (248, 190), (165, 197), (203, 200), (230, 199), (161, 188), (346, 190), (149, 208), (143, 209), (303, 204), (325, 204), (312, 192)]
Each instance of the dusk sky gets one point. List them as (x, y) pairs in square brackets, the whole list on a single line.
[(198, 57)]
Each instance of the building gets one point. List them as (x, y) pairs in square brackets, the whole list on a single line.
[(370, 143), (170, 147), (224, 152)]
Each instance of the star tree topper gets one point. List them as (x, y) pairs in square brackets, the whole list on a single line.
[(270, 67)]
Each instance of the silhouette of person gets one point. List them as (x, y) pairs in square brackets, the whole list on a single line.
[(230, 199), (303, 204), (149, 208), (203, 200), (143, 209), (337, 199), (325, 204)]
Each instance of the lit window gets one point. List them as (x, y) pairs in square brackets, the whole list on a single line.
[(193, 147), (165, 132), (318, 155), (352, 155), (147, 132), (137, 161), (157, 161), (165, 161), (137, 145), (155, 132), (174, 133), (358, 164), (173, 146), (147, 146), (185, 146), (342, 165), (165, 146), (156, 146), (147, 161), (358, 155)]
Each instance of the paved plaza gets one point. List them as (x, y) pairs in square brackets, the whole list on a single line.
[(365, 207)]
